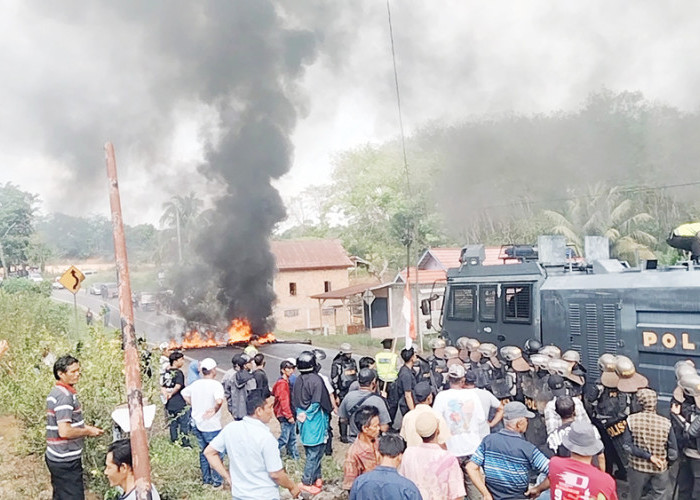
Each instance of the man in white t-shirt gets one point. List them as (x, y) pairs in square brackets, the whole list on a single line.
[(464, 414), (206, 396), (255, 467), (489, 403)]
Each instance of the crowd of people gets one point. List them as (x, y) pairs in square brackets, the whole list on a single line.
[(469, 420)]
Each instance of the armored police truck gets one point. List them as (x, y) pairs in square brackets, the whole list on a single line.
[(593, 305)]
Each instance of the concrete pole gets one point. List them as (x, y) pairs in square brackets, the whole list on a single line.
[(134, 394)]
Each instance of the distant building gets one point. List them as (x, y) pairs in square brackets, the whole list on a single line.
[(306, 268)]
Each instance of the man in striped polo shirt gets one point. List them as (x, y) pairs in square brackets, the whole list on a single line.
[(65, 430), (507, 459)]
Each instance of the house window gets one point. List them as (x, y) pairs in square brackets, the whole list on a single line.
[(328, 311), (292, 289), (462, 303), (326, 286), (487, 303), (291, 313), (517, 305)]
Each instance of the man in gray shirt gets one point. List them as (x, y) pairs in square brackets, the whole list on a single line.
[(364, 396)]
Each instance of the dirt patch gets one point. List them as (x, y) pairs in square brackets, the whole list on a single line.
[(22, 476)]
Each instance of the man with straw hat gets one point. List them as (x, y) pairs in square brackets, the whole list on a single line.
[(576, 477), (652, 447)]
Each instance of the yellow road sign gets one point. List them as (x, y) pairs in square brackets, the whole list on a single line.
[(72, 279)]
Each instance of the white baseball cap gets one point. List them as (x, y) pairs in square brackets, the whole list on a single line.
[(207, 364)]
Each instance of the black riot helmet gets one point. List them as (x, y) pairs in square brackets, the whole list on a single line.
[(306, 362), (532, 346)]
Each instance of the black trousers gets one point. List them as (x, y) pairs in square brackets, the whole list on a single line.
[(67, 479)]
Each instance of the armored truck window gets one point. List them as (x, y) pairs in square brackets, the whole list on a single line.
[(487, 303), (517, 303), (462, 303)]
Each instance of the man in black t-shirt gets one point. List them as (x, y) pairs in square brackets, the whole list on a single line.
[(261, 381), (405, 383), (178, 413)]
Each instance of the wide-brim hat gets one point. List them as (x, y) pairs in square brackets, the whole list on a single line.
[(609, 380), (581, 439), (633, 383), (495, 362), (475, 356), (464, 355), (454, 361), (520, 365), (439, 352), (576, 379)]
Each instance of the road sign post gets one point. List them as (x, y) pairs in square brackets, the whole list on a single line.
[(71, 280), (369, 297)]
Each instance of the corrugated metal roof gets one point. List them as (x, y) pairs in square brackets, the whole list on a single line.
[(448, 257), (309, 254)]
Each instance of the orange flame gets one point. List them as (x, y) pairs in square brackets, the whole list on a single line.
[(238, 332)]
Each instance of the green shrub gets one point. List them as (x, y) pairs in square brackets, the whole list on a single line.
[(24, 285)]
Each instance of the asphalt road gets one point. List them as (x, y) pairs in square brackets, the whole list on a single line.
[(158, 328)]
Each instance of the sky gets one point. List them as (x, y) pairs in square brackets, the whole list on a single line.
[(76, 75)]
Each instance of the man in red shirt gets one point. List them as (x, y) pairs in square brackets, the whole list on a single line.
[(283, 410), (575, 478)]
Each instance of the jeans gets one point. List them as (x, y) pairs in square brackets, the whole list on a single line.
[(66, 479), (312, 468), (179, 423), (288, 439), (209, 475)]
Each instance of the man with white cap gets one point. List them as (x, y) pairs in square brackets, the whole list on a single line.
[(575, 477), (206, 397), (435, 471), (507, 459), (465, 417)]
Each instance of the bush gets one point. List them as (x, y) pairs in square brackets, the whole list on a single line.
[(24, 285)]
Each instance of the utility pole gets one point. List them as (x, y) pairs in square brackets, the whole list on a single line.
[(134, 394), (179, 238)]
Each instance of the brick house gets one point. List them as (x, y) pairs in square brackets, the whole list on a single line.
[(306, 268)]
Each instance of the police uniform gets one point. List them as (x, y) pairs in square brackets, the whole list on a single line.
[(387, 373), (343, 374)]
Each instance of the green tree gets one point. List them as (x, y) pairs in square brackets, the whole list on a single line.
[(604, 211), (16, 225)]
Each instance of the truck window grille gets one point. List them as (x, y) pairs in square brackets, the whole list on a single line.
[(575, 319), (592, 339), (610, 327)]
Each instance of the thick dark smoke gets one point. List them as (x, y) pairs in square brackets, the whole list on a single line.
[(237, 57)]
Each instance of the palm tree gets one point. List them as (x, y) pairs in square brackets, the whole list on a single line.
[(608, 212), (181, 214)]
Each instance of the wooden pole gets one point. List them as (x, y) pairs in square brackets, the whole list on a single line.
[(134, 394)]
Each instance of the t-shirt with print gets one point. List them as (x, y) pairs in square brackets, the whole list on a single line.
[(465, 417), (203, 394), (573, 480), (171, 378)]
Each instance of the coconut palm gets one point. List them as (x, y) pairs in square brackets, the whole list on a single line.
[(180, 220), (608, 212)]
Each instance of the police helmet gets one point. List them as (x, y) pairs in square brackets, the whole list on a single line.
[(510, 352), (345, 348), (462, 343), (630, 380), (551, 351), (472, 344), (451, 352), (571, 356), (690, 385), (488, 350), (684, 370), (606, 362), (540, 361), (532, 346), (306, 362), (559, 367), (437, 344)]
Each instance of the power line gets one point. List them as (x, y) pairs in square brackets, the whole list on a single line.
[(630, 189), (398, 100)]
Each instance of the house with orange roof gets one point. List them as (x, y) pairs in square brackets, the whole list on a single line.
[(306, 268)]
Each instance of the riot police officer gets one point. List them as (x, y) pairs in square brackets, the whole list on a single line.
[(530, 347), (343, 373), (537, 394), (517, 368)]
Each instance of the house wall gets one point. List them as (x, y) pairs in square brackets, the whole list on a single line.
[(300, 312)]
